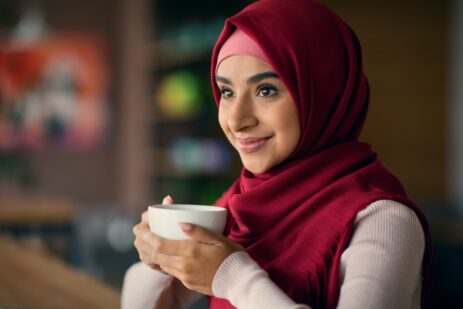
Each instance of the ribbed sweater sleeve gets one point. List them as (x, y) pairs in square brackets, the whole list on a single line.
[(381, 267), (146, 288)]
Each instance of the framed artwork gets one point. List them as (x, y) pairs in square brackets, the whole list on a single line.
[(54, 93)]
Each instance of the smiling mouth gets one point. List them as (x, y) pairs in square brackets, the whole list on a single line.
[(251, 144)]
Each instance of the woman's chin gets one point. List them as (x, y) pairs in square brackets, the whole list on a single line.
[(256, 168)]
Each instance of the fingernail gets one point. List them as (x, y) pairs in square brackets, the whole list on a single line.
[(185, 226)]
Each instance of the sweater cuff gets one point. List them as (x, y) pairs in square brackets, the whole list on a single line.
[(142, 286), (233, 267), (244, 284)]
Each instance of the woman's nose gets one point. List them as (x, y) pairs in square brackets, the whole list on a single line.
[(242, 115)]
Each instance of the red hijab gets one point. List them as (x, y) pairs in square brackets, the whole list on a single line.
[(296, 219)]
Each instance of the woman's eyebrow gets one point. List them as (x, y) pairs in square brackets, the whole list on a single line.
[(222, 80), (258, 77), (251, 80)]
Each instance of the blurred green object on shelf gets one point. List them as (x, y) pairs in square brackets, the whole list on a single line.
[(179, 95)]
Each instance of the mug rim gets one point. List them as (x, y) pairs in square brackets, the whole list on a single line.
[(188, 207)]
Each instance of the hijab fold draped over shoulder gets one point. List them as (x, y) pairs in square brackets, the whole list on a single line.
[(296, 219)]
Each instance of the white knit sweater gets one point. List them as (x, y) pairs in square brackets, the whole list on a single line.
[(381, 268)]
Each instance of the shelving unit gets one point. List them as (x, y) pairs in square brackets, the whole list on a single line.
[(186, 140)]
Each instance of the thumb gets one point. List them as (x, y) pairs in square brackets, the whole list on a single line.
[(200, 233), (167, 200)]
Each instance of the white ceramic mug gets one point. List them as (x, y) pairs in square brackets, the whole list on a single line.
[(163, 219)]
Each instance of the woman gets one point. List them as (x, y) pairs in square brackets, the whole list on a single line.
[(315, 221)]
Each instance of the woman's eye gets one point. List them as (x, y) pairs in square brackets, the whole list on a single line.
[(267, 91), (226, 93)]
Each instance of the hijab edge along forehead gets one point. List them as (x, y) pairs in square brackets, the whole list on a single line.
[(329, 88), (229, 28)]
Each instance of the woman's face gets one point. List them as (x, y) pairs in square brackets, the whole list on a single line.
[(256, 112)]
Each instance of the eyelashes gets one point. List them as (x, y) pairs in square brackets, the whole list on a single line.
[(226, 92), (267, 91), (264, 90)]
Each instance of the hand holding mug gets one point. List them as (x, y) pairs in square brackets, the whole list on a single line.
[(193, 260), (142, 232)]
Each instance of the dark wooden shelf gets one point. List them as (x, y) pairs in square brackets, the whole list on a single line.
[(163, 61)]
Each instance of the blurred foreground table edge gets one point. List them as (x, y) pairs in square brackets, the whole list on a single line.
[(30, 279)]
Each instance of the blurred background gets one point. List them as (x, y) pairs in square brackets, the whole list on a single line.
[(106, 107)]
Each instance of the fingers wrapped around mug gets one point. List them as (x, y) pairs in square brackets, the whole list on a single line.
[(149, 245), (193, 261), (141, 232)]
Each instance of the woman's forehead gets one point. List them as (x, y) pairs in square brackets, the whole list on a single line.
[(242, 66)]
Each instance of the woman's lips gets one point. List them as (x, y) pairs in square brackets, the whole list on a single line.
[(251, 144)]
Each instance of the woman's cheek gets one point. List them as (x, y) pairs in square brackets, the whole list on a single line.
[(223, 121)]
